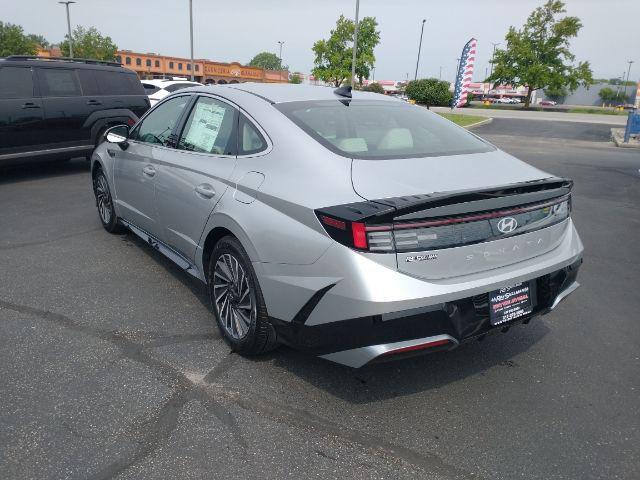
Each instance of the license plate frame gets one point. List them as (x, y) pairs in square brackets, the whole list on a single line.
[(512, 302)]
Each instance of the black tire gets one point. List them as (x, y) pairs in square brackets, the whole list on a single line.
[(104, 202), (259, 335)]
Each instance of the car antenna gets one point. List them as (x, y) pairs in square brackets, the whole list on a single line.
[(343, 91)]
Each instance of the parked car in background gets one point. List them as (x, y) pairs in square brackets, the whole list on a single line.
[(347, 224), (58, 108), (503, 100), (157, 89), (547, 103)]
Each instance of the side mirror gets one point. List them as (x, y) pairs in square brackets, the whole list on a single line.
[(118, 134)]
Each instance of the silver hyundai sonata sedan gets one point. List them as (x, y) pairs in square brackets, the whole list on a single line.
[(346, 224)]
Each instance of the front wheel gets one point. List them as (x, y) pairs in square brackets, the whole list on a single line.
[(104, 202), (237, 301)]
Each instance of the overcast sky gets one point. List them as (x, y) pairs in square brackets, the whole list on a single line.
[(234, 30)]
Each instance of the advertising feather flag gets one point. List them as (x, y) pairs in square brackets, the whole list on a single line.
[(465, 73)]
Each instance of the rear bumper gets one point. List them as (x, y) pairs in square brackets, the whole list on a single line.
[(358, 341)]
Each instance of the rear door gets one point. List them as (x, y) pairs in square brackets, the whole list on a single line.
[(21, 114), (138, 167), (194, 175), (65, 109)]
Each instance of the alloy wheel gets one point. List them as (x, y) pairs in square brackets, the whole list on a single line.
[(233, 296), (104, 199)]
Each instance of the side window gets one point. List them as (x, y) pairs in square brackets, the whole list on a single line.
[(16, 82), (159, 124), (210, 128), (58, 82), (250, 140), (118, 83), (88, 82)]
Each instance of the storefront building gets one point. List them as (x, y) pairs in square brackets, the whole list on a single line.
[(151, 65)]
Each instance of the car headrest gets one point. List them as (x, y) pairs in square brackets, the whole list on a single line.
[(352, 144), (396, 139)]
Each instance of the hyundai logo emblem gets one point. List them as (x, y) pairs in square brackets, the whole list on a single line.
[(507, 224)]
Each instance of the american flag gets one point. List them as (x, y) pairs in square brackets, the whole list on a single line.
[(465, 73)]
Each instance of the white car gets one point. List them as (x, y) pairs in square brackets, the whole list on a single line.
[(157, 89)]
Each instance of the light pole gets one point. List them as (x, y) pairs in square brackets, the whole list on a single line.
[(424, 20), (191, 37), (373, 74), (493, 55), (355, 47), (280, 56), (440, 74), (625, 83), (69, 27)]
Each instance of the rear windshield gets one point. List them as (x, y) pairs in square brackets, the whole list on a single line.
[(174, 87), (371, 130)]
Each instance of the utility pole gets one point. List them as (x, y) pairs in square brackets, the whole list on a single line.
[(355, 48), (625, 83), (191, 38), (424, 20), (280, 54), (373, 73), (69, 27), (493, 55), (440, 74)]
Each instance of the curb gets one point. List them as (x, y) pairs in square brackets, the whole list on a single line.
[(617, 136), (481, 122)]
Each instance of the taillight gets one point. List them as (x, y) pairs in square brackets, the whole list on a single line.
[(391, 236)]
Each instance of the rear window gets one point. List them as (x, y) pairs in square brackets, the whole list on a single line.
[(371, 130), (150, 89), (58, 82), (178, 86), (16, 82), (118, 83)]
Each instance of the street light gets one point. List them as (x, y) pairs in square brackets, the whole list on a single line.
[(280, 56), (355, 47), (69, 27), (424, 20), (625, 85), (493, 55), (191, 38)]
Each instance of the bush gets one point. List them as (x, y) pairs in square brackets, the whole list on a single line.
[(430, 91), (374, 87)]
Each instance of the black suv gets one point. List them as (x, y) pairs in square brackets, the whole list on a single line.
[(58, 108)]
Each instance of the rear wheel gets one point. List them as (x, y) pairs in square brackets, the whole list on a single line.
[(237, 301), (104, 202)]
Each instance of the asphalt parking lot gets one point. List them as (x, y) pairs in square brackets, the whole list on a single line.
[(111, 365)]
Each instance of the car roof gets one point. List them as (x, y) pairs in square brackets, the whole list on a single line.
[(286, 92), (62, 62)]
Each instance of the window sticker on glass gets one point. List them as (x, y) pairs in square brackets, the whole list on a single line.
[(204, 127)]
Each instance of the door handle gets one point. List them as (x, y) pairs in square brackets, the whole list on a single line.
[(149, 170), (93, 102), (205, 190), (30, 105)]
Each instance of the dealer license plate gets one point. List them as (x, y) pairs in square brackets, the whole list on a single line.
[(510, 303)]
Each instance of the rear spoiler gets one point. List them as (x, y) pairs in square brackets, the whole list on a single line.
[(444, 204)]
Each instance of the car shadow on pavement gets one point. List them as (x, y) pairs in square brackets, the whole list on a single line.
[(379, 381), (397, 378), (35, 171)]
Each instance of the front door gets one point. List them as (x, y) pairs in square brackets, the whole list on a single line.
[(137, 168), (21, 114), (195, 174)]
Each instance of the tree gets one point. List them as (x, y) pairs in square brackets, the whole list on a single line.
[(609, 95), (430, 91), (89, 43), (538, 56), (13, 41), (295, 78), (557, 94), (333, 57), (39, 40), (268, 61), (374, 87)]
